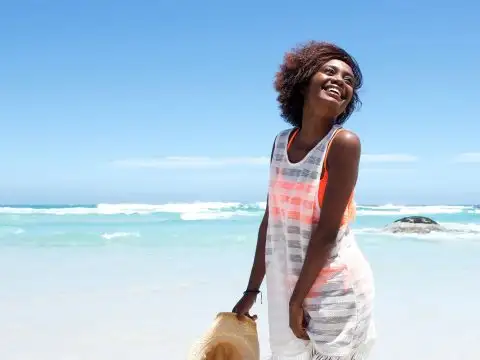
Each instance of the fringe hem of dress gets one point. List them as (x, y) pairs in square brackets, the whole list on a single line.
[(313, 355)]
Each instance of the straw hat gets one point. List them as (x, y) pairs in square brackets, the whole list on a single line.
[(228, 339)]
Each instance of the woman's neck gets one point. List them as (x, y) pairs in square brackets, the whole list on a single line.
[(313, 130)]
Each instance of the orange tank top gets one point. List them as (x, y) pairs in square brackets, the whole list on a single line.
[(350, 210)]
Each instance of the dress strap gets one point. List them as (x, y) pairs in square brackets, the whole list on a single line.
[(295, 132), (328, 148)]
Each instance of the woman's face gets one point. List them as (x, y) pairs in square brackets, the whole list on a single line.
[(331, 88)]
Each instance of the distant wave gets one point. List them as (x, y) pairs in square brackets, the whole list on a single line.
[(109, 236), (10, 230), (222, 210), (113, 209), (187, 211), (401, 210)]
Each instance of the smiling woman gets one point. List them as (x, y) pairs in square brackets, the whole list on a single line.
[(299, 68), (320, 286)]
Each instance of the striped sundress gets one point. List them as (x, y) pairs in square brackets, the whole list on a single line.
[(339, 305)]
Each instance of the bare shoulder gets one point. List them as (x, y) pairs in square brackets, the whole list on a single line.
[(345, 147), (346, 139)]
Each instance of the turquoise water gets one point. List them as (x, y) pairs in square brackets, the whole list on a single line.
[(126, 281), (171, 224)]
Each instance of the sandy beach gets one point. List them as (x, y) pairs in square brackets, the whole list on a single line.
[(125, 288)]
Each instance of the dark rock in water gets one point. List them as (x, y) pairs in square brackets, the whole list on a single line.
[(414, 224), (416, 220)]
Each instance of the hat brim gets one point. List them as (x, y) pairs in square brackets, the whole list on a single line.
[(229, 338)]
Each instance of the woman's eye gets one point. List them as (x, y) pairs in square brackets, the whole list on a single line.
[(349, 80), (329, 71)]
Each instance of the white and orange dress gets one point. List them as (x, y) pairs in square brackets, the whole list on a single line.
[(340, 304)]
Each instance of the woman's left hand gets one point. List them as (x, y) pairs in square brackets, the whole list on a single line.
[(297, 321)]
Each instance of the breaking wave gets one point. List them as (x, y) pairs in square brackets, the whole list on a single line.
[(187, 211), (223, 210)]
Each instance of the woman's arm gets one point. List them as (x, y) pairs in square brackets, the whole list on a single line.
[(243, 306), (343, 162), (258, 268)]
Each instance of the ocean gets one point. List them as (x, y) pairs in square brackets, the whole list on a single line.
[(137, 281)]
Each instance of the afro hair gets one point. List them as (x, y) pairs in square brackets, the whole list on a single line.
[(297, 69)]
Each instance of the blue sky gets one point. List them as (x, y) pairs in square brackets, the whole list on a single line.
[(154, 101)]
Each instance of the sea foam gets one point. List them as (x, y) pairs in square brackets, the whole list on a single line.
[(227, 209)]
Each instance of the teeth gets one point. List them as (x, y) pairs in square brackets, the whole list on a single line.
[(334, 90)]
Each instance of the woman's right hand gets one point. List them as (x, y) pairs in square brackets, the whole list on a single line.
[(244, 305)]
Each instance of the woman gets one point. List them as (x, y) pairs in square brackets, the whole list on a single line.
[(320, 287)]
